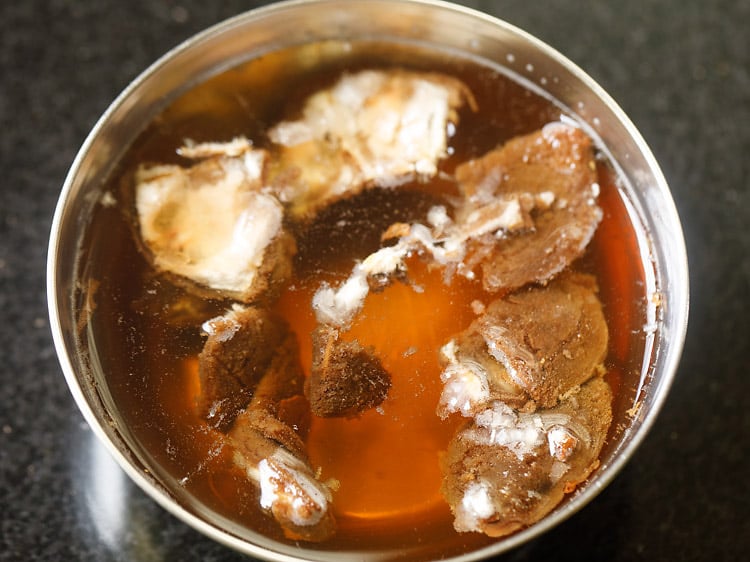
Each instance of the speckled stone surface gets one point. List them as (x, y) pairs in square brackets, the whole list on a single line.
[(680, 69)]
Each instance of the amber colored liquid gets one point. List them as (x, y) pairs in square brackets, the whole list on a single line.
[(386, 459), (147, 331)]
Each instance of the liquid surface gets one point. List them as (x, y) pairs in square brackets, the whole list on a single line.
[(148, 330)]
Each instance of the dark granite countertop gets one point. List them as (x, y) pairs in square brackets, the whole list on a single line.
[(680, 69)]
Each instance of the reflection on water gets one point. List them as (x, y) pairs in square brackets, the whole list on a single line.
[(115, 520), (105, 496), (114, 514)]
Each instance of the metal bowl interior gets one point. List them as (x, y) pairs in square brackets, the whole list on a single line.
[(429, 23)]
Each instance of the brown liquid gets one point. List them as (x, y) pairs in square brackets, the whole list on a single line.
[(148, 331)]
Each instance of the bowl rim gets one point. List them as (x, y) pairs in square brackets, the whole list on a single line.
[(679, 302)]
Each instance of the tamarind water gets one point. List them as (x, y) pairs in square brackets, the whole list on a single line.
[(385, 462)]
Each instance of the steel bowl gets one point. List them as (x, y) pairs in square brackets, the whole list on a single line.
[(431, 24)]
